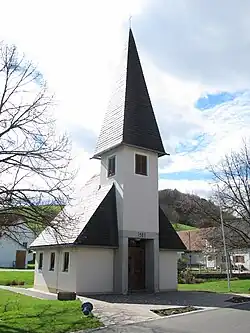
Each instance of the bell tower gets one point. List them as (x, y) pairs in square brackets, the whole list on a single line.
[(129, 146)]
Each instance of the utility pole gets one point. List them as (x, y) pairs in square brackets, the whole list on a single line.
[(224, 242)]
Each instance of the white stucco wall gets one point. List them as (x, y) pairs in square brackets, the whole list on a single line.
[(94, 272), (246, 254), (55, 280), (138, 210), (168, 270), (195, 258), (211, 263), (8, 247)]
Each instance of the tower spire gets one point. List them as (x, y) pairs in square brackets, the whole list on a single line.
[(130, 118)]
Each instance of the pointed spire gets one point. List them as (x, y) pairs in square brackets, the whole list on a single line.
[(130, 118)]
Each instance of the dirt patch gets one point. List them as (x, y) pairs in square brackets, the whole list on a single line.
[(238, 299), (174, 311)]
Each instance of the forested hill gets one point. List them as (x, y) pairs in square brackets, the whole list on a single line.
[(187, 209)]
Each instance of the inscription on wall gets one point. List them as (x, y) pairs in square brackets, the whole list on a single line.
[(141, 234)]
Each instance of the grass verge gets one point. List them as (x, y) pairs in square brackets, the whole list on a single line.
[(218, 286), (24, 314), (6, 277)]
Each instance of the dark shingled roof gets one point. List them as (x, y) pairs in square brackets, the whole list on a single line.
[(102, 229), (95, 222), (130, 117), (168, 237)]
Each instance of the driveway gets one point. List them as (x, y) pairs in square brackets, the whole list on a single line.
[(170, 298), (227, 320)]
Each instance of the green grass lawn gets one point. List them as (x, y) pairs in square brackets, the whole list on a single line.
[(219, 286), (183, 227), (24, 314), (8, 276)]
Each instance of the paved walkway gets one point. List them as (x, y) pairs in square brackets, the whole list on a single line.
[(224, 320)]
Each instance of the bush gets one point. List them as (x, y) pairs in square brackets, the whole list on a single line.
[(221, 276), (181, 265), (234, 278), (181, 280), (14, 283), (21, 283), (186, 276), (199, 280)]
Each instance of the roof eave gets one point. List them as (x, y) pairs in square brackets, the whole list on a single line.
[(98, 154)]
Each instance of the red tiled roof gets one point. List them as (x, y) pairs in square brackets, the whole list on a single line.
[(195, 240)]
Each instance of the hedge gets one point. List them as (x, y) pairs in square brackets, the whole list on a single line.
[(206, 276)]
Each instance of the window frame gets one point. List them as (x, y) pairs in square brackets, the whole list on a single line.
[(64, 269), (40, 262), (147, 164), (110, 175), (236, 259), (52, 269)]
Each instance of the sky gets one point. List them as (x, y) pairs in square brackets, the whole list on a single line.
[(195, 58)]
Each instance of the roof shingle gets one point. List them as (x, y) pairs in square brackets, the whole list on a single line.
[(168, 237), (93, 198)]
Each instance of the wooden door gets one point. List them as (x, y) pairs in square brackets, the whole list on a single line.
[(136, 268), (20, 258)]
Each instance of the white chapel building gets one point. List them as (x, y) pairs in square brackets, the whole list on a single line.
[(124, 242)]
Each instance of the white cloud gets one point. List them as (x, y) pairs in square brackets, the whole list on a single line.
[(226, 125), (199, 40), (187, 49)]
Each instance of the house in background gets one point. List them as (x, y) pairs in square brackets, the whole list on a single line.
[(14, 248), (123, 241), (202, 253), (196, 245), (240, 258)]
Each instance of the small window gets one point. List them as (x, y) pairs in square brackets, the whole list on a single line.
[(40, 263), (239, 259), (141, 165), (52, 261), (111, 166), (66, 262), (210, 258), (25, 244)]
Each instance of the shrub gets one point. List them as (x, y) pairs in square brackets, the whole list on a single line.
[(234, 278), (21, 283), (181, 280), (14, 283), (199, 280), (7, 283), (186, 276), (181, 265)]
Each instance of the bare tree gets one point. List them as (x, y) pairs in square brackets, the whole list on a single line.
[(232, 176), (34, 159), (232, 191)]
